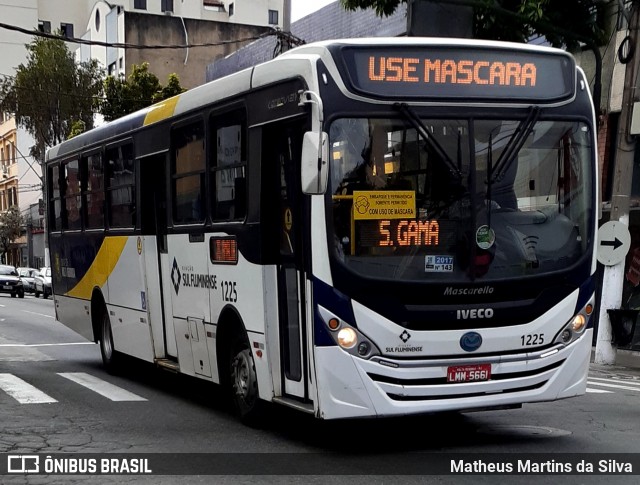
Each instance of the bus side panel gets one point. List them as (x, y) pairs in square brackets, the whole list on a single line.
[(127, 303), (238, 286), (75, 314), (153, 294)]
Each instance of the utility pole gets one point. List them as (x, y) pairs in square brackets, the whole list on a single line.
[(613, 278)]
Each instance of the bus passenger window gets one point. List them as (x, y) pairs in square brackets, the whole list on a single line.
[(188, 171), (228, 167), (73, 201), (55, 202), (94, 191), (121, 188)]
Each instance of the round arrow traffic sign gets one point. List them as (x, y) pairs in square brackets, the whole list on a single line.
[(614, 241)]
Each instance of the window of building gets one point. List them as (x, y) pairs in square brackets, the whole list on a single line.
[(166, 5), (97, 20), (216, 6), (67, 30), (121, 189), (111, 70), (228, 166), (140, 4), (231, 9), (44, 26), (273, 17), (188, 173)]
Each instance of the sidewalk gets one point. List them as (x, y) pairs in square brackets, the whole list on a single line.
[(626, 361)]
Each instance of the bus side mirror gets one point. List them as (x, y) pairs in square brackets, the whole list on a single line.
[(315, 168)]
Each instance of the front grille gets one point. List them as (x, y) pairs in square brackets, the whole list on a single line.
[(443, 380), (396, 397)]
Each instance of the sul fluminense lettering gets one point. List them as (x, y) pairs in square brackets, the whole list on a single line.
[(447, 71)]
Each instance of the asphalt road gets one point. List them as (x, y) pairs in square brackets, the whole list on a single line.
[(56, 398)]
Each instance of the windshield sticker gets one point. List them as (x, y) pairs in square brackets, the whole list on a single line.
[(384, 204), (485, 237), (434, 263)]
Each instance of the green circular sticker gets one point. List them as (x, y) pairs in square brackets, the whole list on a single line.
[(485, 237)]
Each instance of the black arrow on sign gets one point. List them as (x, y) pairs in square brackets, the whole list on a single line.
[(616, 244)]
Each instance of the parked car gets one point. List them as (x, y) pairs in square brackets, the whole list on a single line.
[(10, 282), (27, 275), (42, 282)]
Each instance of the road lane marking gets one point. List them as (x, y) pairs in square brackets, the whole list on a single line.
[(47, 345), (598, 391), (103, 388), (22, 391), (619, 381), (39, 314), (615, 386)]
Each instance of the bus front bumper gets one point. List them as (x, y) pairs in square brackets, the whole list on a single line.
[(352, 387)]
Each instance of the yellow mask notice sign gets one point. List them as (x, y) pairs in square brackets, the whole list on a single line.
[(384, 204)]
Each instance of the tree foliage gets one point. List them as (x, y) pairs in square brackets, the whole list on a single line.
[(51, 92), (141, 89), (564, 23), (10, 228)]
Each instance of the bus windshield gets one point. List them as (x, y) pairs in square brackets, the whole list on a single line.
[(460, 199)]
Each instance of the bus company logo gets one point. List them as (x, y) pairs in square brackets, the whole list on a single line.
[(471, 341), (404, 336), (175, 276), (451, 291)]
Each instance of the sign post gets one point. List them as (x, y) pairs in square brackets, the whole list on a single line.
[(614, 242)]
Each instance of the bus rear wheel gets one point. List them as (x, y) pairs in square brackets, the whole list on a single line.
[(110, 358), (244, 384)]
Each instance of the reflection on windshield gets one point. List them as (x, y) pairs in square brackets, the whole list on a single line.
[(456, 200)]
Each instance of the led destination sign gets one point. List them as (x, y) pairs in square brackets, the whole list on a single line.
[(453, 73)]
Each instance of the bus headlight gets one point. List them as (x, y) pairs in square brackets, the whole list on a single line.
[(348, 338), (574, 328)]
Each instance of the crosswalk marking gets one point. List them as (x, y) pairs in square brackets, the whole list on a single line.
[(22, 391), (611, 383), (103, 388), (598, 391)]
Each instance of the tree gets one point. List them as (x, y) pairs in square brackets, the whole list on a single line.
[(51, 92), (564, 24), (10, 229), (141, 89)]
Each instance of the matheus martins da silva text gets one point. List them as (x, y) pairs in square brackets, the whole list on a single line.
[(549, 466)]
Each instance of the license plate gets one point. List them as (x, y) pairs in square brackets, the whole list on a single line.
[(7, 287), (469, 373)]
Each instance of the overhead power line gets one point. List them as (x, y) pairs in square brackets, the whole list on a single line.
[(288, 37)]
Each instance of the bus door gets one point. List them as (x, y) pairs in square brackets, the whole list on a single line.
[(153, 225), (281, 149)]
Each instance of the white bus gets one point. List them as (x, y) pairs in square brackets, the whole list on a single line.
[(369, 227)]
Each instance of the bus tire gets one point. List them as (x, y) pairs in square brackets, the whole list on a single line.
[(244, 383), (110, 358)]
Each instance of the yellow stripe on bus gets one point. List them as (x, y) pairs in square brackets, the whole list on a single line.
[(102, 266), (161, 111)]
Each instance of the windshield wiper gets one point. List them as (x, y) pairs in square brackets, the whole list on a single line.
[(419, 126), (515, 143)]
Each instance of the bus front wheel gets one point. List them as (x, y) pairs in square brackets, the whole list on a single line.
[(244, 383), (109, 355)]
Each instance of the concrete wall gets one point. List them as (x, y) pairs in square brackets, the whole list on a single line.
[(190, 65)]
